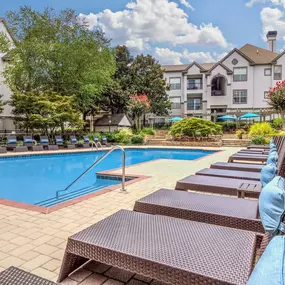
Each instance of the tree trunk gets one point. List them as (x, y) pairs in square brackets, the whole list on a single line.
[(62, 129)]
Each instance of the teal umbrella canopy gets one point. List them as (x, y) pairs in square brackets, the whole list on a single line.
[(227, 118), (175, 119), (249, 116)]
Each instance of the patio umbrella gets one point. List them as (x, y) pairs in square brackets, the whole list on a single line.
[(249, 116), (227, 118), (175, 119)]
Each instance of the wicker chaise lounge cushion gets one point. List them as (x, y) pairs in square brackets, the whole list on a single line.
[(238, 166), (268, 172), (270, 268), (272, 205), (16, 276), (171, 250), (213, 184), (210, 209), (229, 173)]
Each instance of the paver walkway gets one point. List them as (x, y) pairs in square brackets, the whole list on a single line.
[(35, 242)]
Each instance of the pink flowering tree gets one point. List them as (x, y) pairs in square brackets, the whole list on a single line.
[(139, 105), (276, 99)]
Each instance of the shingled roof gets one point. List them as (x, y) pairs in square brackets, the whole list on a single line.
[(258, 55), (116, 120), (184, 67)]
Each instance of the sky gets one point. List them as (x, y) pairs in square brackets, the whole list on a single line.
[(176, 31)]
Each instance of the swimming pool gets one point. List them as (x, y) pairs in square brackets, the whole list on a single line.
[(35, 179)]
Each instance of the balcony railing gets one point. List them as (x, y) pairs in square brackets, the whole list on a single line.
[(194, 86), (218, 93)]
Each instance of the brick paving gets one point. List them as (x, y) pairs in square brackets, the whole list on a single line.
[(35, 242)]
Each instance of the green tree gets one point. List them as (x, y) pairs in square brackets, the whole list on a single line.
[(115, 97), (147, 78), (2, 104), (45, 111), (57, 52), (139, 106)]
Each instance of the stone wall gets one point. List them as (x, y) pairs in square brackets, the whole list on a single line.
[(193, 143)]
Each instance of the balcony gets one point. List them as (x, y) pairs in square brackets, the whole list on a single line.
[(194, 86), (218, 86)]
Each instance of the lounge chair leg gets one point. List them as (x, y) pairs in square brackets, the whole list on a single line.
[(70, 263)]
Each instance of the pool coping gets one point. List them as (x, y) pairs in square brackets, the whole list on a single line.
[(134, 179), (84, 150)]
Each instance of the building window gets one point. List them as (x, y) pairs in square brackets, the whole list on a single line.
[(266, 94), (240, 73), (240, 96), (277, 72), (234, 61), (194, 84), (194, 104), (176, 102), (267, 71), (175, 83)]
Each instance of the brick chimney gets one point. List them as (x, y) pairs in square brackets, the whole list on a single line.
[(271, 40)]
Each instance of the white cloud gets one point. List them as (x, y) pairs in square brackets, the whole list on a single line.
[(187, 4), (198, 56), (252, 2), (273, 2), (220, 56), (273, 20), (146, 22), (167, 56)]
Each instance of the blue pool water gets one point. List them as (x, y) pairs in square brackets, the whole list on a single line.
[(36, 179)]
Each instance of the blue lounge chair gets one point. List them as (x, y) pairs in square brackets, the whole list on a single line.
[(44, 141), (29, 142)]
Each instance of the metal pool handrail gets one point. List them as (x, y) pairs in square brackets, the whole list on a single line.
[(98, 161)]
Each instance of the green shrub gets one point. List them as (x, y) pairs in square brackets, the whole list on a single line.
[(148, 131), (240, 133), (137, 139), (261, 129), (228, 126), (276, 124), (195, 127), (124, 136), (260, 140), (111, 137)]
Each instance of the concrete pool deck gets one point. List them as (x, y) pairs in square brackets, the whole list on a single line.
[(35, 242)]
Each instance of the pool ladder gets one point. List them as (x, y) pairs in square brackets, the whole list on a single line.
[(97, 162)]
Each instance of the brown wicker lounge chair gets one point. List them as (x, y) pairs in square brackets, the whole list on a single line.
[(255, 176), (59, 141), (219, 185), (248, 157), (238, 166), (211, 209), (29, 143), (262, 147), (170, 250), (44, 141), (16, 276)]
